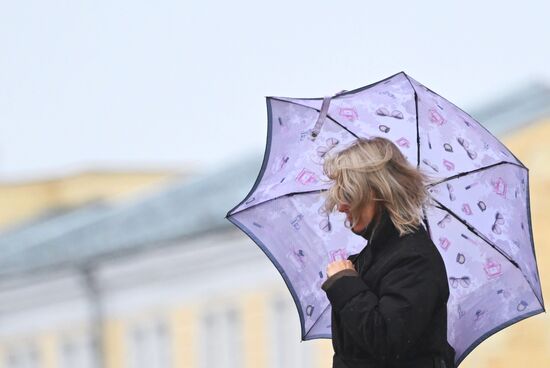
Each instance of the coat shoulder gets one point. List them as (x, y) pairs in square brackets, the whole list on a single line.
[(419, 245)]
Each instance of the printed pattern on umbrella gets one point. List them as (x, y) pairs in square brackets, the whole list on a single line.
[(481, 222)]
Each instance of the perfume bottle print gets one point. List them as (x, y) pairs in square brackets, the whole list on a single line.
[(296, 221), (499, 187), (348, 113), (492, 268), (306, 177)]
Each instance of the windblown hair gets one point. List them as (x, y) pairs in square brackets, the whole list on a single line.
[(376, 170)]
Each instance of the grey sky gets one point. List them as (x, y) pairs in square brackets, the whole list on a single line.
[(130, 84)]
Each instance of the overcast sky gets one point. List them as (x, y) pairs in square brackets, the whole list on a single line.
[(131, 84)]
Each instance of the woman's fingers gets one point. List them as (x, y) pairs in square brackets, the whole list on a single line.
[(339, 265)]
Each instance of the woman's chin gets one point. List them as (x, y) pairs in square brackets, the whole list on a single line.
[(357, 230)]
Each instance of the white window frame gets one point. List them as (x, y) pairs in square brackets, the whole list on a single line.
[(149, 344), (221, 337), (25, 355), (285, 350)]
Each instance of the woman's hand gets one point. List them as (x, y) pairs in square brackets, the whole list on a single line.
[(340, 265)]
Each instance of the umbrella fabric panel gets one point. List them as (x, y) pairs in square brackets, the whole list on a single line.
[(451, 141), (493, 202), (302, 241), (386, 109), (486, 290), (480, 223), (293, 162)]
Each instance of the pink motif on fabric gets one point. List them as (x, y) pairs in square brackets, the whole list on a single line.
[(492, 269), (403, 142), (306, 177), (348, 113), (449, 165), (338, 255), (444, 243), (436, 118), (466, 209), (499, 187)]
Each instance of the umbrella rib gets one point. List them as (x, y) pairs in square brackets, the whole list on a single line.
[(475, 231), (266, 154), (317, 320), (474, 171), (467, 114), (417, 129), (319, 111), (279, 267), (268, 150), (472, 229), (281, 196)]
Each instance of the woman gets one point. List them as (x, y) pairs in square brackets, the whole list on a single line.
[(389, 302)]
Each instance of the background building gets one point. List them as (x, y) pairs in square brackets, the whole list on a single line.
[(158, 277)]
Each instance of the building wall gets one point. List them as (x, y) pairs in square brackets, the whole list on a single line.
[(214, 301), (24, 200)]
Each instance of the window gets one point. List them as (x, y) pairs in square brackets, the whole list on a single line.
[(24, 356), (79, 351), (149, 345), (285, 349), (221, 338)]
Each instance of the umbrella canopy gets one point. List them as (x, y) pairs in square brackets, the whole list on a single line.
[(480, 222)]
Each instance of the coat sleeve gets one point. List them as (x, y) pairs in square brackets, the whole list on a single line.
[(388, 324)]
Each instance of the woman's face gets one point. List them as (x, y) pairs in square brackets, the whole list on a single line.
[(365, 217)]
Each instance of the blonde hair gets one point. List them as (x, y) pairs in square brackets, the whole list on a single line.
[(376, 170)]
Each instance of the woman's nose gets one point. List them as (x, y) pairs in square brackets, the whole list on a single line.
[(343, 207)]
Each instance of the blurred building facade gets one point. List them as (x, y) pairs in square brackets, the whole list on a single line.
[(24, 200), (160, 279)]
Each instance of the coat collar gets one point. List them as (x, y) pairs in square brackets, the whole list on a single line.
[(379, 231)]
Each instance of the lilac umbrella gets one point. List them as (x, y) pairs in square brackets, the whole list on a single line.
[(480, 222)]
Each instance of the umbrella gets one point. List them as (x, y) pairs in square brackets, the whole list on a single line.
[(480, 220)]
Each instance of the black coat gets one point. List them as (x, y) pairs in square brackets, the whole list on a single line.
[(392, 311)]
